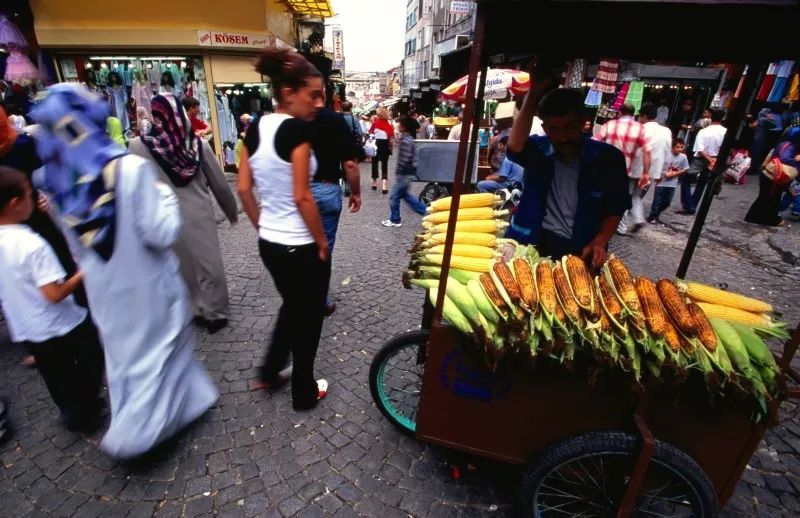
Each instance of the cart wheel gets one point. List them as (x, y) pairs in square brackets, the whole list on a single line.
[(433, 191), (587, 475), (395, 378)]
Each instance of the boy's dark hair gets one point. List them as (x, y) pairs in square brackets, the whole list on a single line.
[(563, 101), (410, 124), (649, 110), (717, 115), (347, 106), (677, 141), (189, 102), (627, 109), (12, 185), (504, 140)]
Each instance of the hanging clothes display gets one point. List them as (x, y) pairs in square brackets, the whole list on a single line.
[(781, 81), (118, 100), (607, 73), (620, 99), (575, 73), (141, 91), (19, 67), (593, 98), (794, 89), (10, 35), (766, 84), (153, 70), (635, 94)]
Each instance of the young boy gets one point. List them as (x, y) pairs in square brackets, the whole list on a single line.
[(40, 310), (665, 188), (406, 171)]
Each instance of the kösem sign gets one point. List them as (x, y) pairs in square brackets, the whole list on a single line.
[(240, 40)]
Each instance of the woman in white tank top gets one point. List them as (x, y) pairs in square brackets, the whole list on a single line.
[(277, 161)]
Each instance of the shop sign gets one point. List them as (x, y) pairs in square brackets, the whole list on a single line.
[(239, 40), (460, 6), (338, 49)]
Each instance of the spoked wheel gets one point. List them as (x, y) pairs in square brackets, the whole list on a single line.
[(395, 379), (433, 191), (587, 475)]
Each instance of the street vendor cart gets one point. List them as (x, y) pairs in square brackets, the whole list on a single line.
[(592, 448)]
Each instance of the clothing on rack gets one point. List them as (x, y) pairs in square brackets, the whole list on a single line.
[(607, 73), (118, 100), (766, 84), (621, 95), (575, 73), (635, 94), (781, 81)]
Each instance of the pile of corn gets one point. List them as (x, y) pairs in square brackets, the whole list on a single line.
[(536, 308)]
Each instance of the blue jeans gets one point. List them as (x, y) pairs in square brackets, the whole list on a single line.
[(491, 185), (662, 198), (400, 191), (329, 202)]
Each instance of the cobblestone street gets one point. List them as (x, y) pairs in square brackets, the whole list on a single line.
[(252, 455)]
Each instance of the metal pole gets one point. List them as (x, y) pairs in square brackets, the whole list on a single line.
[(735, 117), (475, 60)]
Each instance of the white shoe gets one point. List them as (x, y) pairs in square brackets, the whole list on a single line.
[(388, 223)]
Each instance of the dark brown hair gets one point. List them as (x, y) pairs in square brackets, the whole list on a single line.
[(285, 68), (189, 102), (12, 185)]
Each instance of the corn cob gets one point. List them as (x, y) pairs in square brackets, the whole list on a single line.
[(676, 308), (564, 294), (503, 274), (491, 292), (479, 213), (482, 301), (546, 287), (609, 302), (524, 276), (756, 348), (605, 323), (462, 238), (451, 312), (704, 293), (734, 314), (458, 293), (466, 201), (704, 330), (618, 276), (489, 226), (653, 311), (672, 337), (472, 264), (483, 252), (734, 346), (434, 272), (580, 281)]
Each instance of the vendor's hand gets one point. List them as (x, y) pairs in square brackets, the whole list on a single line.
[(595, 254), (644, 181), (507, 251), (42, 203), (354, 203), (711, 164), (544, 71)]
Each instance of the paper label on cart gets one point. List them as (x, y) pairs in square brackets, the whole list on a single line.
[(466, 379)]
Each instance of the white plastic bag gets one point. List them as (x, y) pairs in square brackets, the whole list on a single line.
[(370, 148)]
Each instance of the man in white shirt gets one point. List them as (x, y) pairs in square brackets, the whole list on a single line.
[(455, 131), (706, 149), (660, 140)]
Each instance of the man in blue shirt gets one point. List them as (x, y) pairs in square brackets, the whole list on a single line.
[(576, 189), (505, 177)]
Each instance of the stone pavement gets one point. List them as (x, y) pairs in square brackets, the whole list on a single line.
[(252, 455)]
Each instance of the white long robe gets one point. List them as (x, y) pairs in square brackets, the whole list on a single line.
[(140, 305)]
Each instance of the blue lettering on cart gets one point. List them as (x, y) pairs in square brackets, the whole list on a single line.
[(471, 381)]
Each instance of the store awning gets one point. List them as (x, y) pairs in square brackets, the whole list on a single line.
[(391, 101), (321, 8)]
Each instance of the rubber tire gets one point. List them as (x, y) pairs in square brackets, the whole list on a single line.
[(435, 191), (615, 442), (417, 337)]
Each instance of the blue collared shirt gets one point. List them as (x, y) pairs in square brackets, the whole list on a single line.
[(511, 172)]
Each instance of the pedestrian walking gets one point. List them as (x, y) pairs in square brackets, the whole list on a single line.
[(706, 149), (404, 174), (766, 207), (383, 131), (188, 164), (277, 160), (681, 121), (677, 166), (41, 312), (628, 136), (121, 223)]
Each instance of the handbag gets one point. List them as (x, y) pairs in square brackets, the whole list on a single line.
[(777, 171), (370, 148)]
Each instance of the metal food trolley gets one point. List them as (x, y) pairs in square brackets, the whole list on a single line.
[(661, 448), (436, 160)]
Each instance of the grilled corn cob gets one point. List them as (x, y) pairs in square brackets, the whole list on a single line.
[(524, 276), (462, 238), (619, 277), (609, 302), (482, 301), (704, 293), (491, 292), (676, 308), (580, 281), (672, 337), (483, 252), (545, 286), (466, 201), (653, 311), (734, 314), (472, 264), (703, 327), (503, 274), (479, 213), (489, 226), (564, 294)]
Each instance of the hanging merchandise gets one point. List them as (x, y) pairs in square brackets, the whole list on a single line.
[(635, 94), (141, 91), (593, 98), (607, 73), (781, 81), (10, 35), (19, 67), (766, 84), (575, 74), (739, 87), (620, 99), (794, 89)]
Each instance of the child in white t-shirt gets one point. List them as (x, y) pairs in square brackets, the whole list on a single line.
[(37, 302)]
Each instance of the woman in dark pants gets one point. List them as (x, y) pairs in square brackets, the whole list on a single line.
[(384, 133), (765, 208)]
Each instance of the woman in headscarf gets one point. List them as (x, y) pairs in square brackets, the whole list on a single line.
[(188, 164), (765, 210), (122, 223)]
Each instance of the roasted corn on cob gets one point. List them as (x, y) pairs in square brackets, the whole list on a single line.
[(564, 294), (676, 308), (651, 305), (705, 333), (503, 274), (619, 277), (704, 293), (672, 338), (523, 273), (491, 292), (545, 286), (580, 281), (609, 301), (465, 202)]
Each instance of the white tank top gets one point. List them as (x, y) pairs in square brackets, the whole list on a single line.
[(280, 221)]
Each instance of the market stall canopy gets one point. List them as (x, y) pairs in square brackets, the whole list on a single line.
[(321, 8), (368, 106), (391, 101), (499, 84)]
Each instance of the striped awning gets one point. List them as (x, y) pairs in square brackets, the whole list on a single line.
[(321, 8)]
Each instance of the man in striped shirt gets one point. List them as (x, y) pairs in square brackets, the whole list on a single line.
[(628, 136)]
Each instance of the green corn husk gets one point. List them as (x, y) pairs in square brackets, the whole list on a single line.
[(757, 350)]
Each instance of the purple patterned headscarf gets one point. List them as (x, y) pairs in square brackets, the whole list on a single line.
[(171, 140)]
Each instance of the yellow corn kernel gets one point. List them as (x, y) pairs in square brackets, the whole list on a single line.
[(564, 294), (471, 264), (734, 314), (580, 281), (623, 282), (651, 306), (489, 226), (466, 201), (524, 275), (503, 272), (464, 238), (705, 332), (704, 293), (671, 335), (546, 287), (462, 215), (610, 301), (491, 291), (462, 250), (676, 308)]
